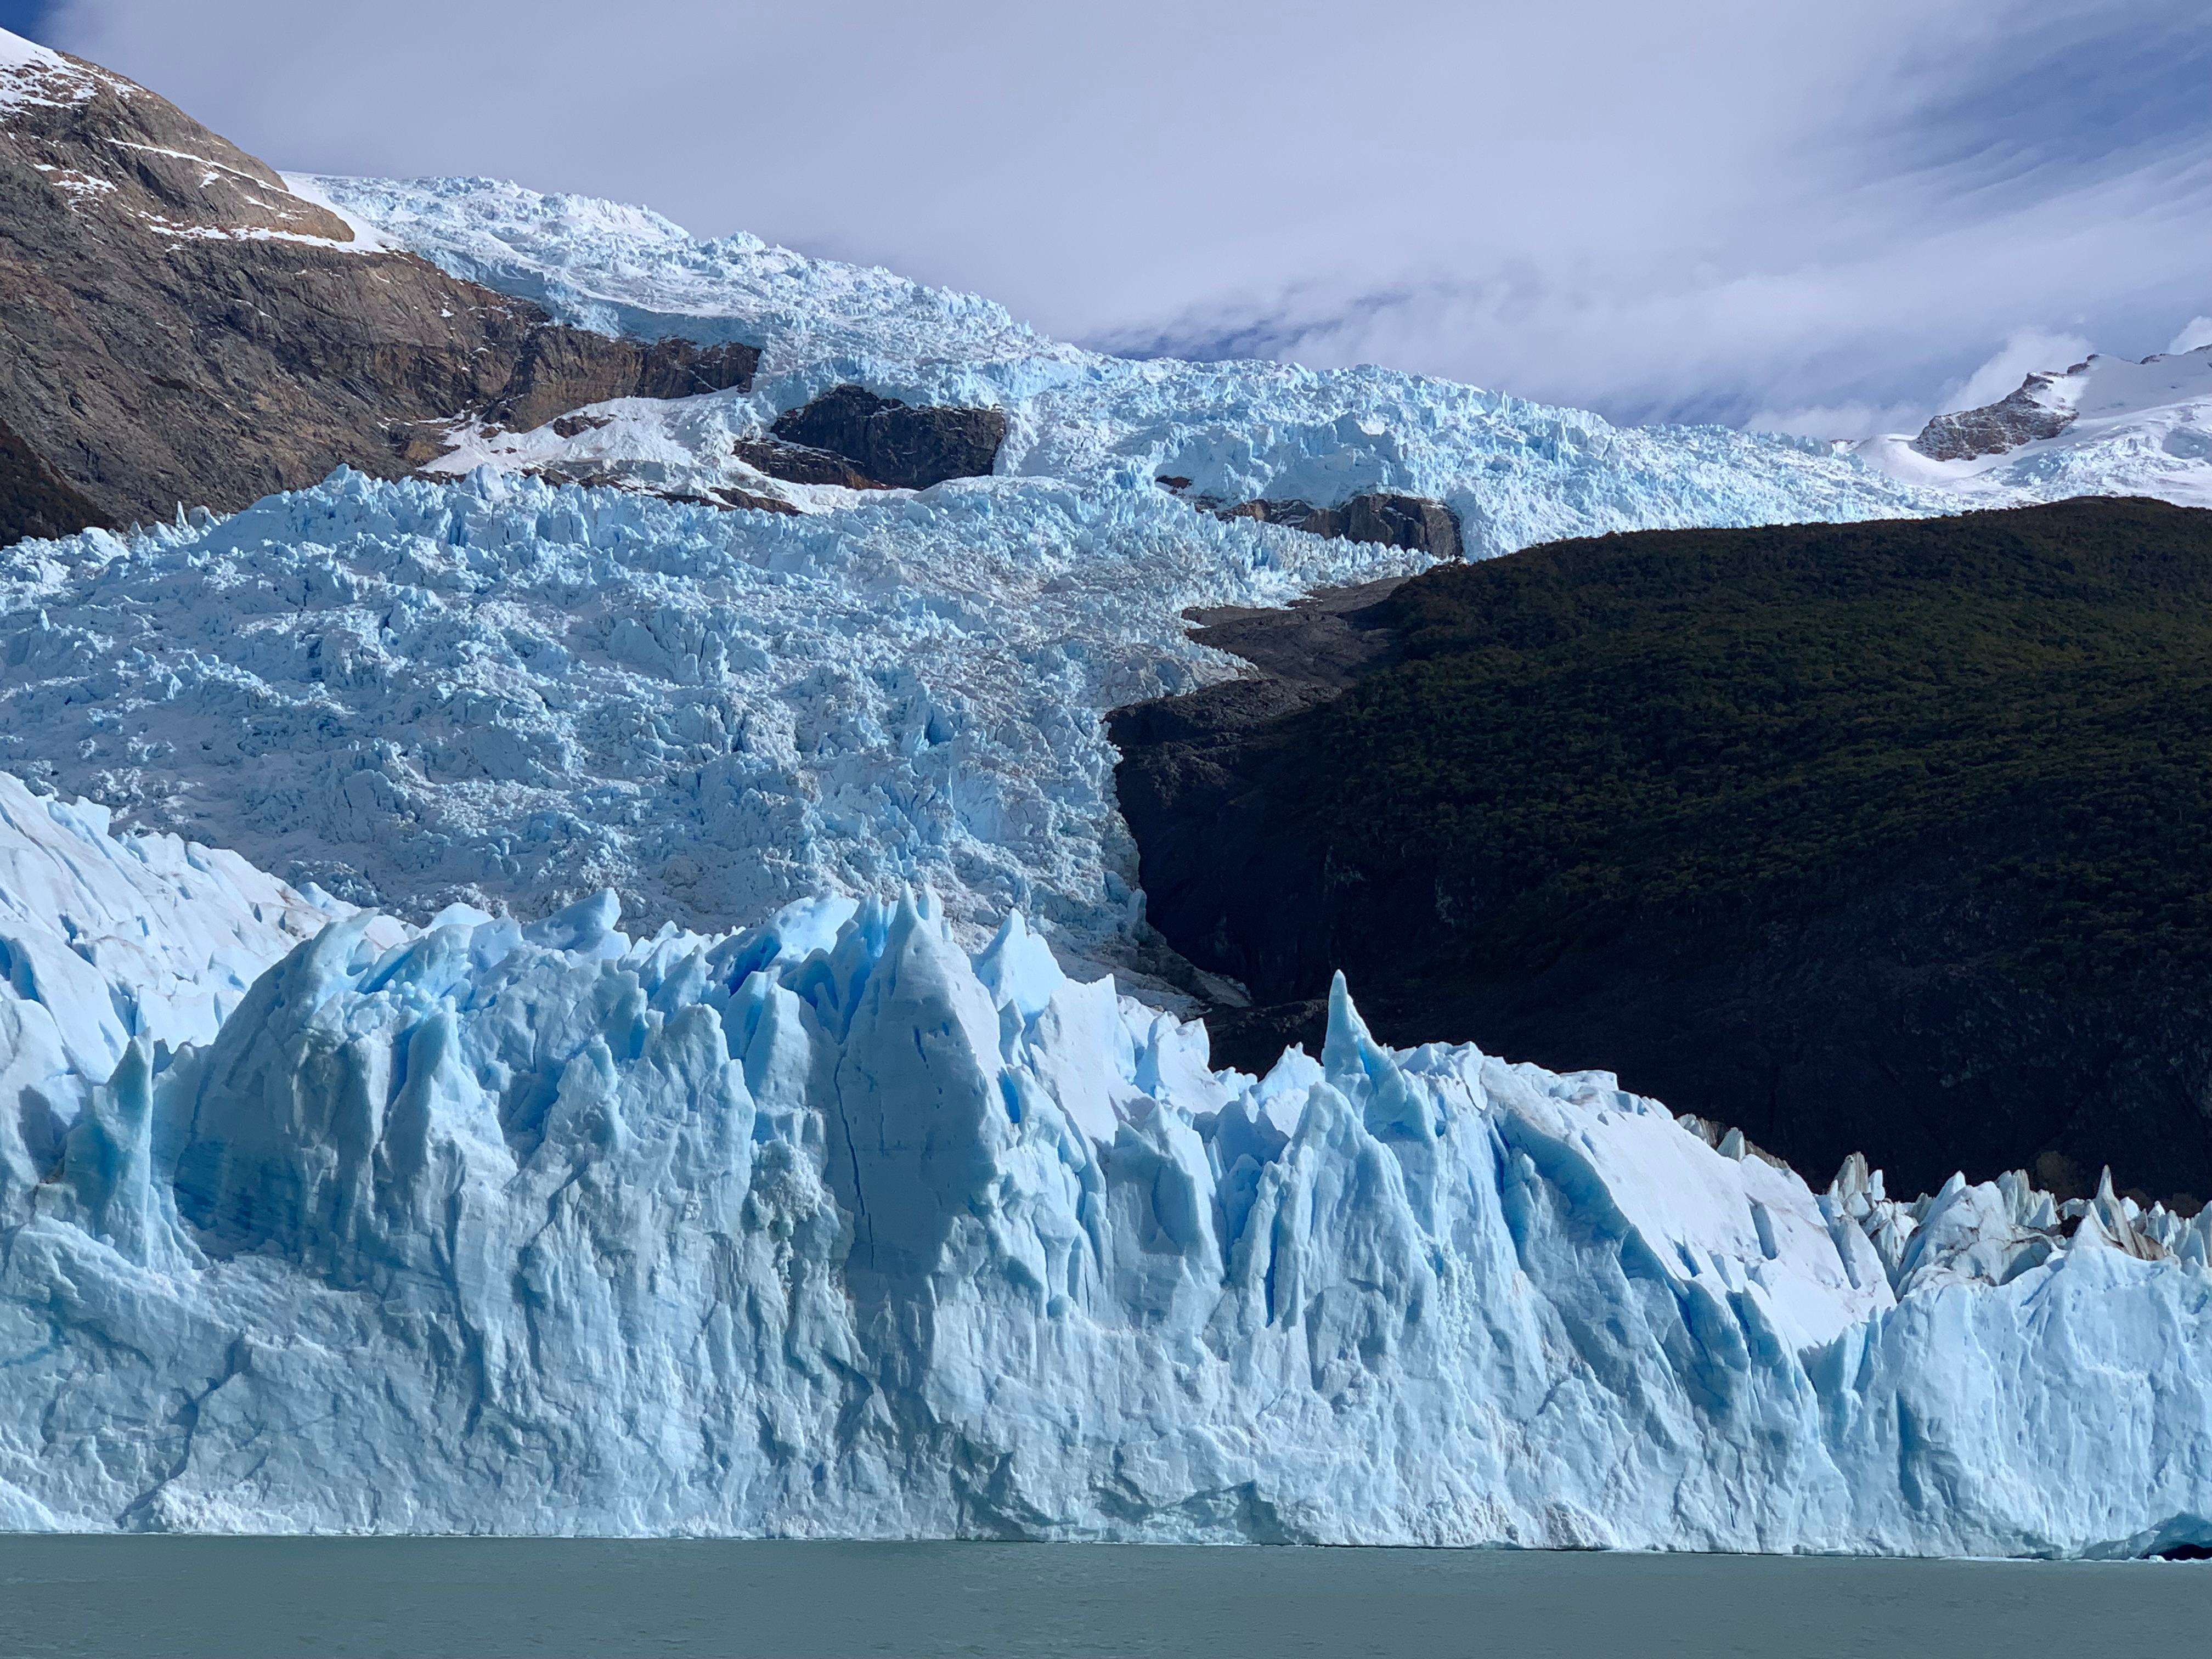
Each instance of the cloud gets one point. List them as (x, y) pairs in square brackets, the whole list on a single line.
[(2024, 352), (2198, 333), (1710, 210)]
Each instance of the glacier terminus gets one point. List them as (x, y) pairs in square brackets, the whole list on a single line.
[(831, 1227)]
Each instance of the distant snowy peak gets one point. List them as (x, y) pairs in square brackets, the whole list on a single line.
[(2107, 427)]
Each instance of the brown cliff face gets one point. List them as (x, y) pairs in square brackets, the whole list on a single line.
[(177, 326)]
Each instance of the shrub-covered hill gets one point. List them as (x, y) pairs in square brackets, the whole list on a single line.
[(1895, 835)]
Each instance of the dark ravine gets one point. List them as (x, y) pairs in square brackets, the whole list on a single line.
[(1889, 1011), (176, 326)]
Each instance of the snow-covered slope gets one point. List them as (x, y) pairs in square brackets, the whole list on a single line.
[(2106, 427), (834, 1228)]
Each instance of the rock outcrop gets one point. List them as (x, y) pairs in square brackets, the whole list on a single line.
[(181, 327), (887, 444), (799, 463), (2020, 418), (1387, 520)]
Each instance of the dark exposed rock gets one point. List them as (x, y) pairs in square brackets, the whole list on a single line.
[(169, 332), (895, 444), (33, 500), (797, 464), (679, 368), (2020, 418), (1227, 881), (751, 503), (563, 368), (1408, 522), (1168, 481), (1889, 1011)]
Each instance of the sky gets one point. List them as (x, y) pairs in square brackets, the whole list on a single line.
[(1833, 220)]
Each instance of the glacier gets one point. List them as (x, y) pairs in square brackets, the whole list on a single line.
[(485, 688), (503, 693), (368, 1175), (833, 1226)]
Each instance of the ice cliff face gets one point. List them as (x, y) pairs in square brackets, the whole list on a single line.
[(833, 1227), (105, 940)]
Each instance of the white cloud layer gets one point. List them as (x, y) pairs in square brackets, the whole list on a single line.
[(2025, 351), (1719, 210)]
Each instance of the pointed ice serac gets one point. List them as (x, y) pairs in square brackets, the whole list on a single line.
[(109, 1175), (1852, 1183), (1358, 1065), (920, 1116)]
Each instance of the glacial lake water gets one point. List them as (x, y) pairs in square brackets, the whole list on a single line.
[(492, 1598)]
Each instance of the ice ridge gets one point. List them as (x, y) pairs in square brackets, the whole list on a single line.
[(105, 940)]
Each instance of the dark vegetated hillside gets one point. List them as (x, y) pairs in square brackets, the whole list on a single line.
[(1895, 835)]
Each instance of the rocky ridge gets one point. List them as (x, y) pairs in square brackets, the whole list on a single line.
[(183, 328), (2024, 416)]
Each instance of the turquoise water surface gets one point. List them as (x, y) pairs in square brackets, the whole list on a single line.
[(490, 1598)]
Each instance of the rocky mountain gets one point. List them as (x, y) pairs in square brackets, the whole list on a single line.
[(182, 328)]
